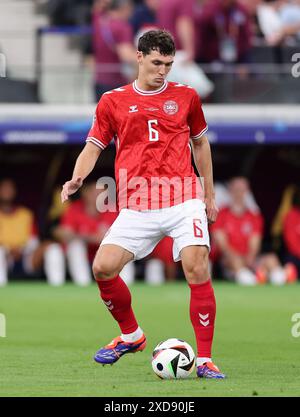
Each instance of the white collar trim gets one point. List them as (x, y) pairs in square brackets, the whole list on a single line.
[(149, 92)]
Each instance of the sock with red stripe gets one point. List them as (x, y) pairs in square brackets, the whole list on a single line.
[(202, 315), (117, 298)]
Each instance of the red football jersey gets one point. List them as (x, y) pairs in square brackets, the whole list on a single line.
[(239, 228), (151, 130), (291, 231), (79, 221)]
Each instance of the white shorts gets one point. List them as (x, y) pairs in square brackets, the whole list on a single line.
[(140, 231)]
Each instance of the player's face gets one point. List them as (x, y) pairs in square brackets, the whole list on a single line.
[(7, 191), (238, 189), (89, 194), (154, 68)]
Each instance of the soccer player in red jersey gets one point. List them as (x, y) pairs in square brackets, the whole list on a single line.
[(291, 232), (237, 236), (81, 229), (154, 124)]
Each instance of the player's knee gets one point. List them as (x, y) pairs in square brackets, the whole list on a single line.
[(198, 274), (103, 269), (198, 270)]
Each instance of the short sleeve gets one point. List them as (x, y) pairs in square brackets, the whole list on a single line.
[(102, 130), (196, 119), (258, 224)]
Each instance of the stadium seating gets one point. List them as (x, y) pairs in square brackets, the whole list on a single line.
[(18, 24), (61, 65)]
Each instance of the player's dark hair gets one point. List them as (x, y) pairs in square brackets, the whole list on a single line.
[(157, 40)]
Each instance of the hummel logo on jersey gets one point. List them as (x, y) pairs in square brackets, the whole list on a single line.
[(204, 317), (133, 109), (108, 304)]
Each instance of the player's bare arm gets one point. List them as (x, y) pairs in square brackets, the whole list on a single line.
[(186, 32), (222, 243), (83, 167), (203, 162), (254, 249)]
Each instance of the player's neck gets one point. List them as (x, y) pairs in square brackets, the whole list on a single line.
[(144, 86), (6, 207), (238, 208)]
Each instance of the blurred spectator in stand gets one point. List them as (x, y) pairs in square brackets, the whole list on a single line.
[(160, 266), (279, 20), (224, 30), (237, 235), (178, 17), (251, 7), (69, 12), (112, 38), (20, 249), (81, 230), (291, 231), (144, 15), (223, 200)]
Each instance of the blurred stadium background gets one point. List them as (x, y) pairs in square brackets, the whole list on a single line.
[(244, 59), (51, 64)]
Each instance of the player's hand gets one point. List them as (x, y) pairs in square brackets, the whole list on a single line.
[(250, 260), (211, 209), (70, 187)]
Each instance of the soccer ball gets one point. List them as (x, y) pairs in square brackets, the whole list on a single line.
[(173, 359)]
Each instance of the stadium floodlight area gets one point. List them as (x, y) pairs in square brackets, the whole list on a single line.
[(228, 124)]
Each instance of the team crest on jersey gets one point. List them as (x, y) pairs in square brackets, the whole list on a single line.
[(170, 107)]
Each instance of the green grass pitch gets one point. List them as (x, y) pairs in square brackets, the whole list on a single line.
[(52, 334)]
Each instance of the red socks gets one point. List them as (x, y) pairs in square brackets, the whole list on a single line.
[(202, 314), (117, 298)]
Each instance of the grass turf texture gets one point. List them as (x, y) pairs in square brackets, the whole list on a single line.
[(52, 334)]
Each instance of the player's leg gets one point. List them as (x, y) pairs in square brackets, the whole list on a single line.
[(235, 268), (133, 235), (52, 256), (164, 253), (109, 262), (270, 264), (3, 267), (202, 306), (78, 262), (188, 227)]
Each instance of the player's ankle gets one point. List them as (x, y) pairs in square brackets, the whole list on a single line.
[(132, 337), (201, 360)]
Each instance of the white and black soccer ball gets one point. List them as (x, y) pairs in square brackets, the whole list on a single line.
[(173, 359)]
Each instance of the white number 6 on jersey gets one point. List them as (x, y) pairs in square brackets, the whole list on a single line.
[(153, 133)]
